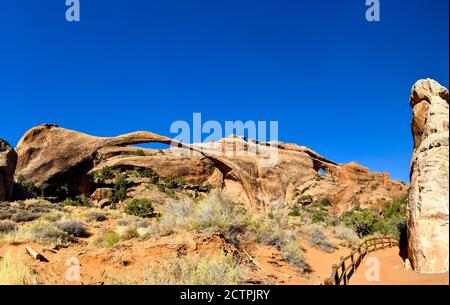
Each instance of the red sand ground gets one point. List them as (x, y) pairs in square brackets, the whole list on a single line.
[(392, 272)]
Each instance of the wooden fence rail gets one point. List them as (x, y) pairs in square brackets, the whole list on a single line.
[(341, 273)]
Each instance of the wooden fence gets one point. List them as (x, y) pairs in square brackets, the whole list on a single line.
[(341, 273)]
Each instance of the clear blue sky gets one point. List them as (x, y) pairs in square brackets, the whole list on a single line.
[(335, 82)]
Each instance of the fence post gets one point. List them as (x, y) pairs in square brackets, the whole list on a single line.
[(336, 276)]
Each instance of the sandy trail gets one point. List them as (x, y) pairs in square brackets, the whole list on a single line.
[(392, 272)]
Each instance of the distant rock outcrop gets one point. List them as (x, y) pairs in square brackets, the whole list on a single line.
[(53, 157), (8, 159), (428, 218)]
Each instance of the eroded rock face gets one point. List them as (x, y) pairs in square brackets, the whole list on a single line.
[(8, 160), (428, 218), (53, 156)]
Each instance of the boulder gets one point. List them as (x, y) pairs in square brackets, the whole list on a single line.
[(428, 208), (8, 160), (103, 203), (101, 193)]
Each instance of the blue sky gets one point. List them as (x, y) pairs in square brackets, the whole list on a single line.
[(335, 82)]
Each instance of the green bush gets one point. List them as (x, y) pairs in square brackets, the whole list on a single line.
[(120, 189), (139, 207), (295, 211), (108, 240), (138, 152), (364, 222), (317, 214), (395, 216), (367, 222), (78, 201), (106, 173), (306, 198)]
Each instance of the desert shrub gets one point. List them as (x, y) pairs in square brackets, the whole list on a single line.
[(15, 272), (139, 207), (52, 216), (318, 239), (268, 231), (5, 215), (24, 216), (45, 233), (127, 233), (219, 269), (293, 254), (7, 226), (107, 240), (274, 231), (177, 213), (155, 229), (216, 213), (347, 234), (73, 227), (97, 216), (38, 209), (134, 222)]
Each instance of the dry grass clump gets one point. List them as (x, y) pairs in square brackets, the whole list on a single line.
[(24, 216), (275, 231), (41, 232), (26, 211), (127, 233), (133, 222), (215, 213), (318, 239), (218, 269), (15, 272), (177, 213), (347, 234), (293, 254), (45, 233)]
